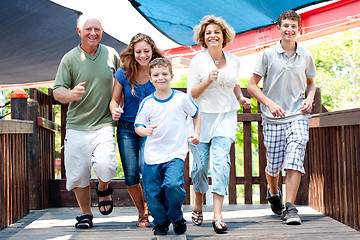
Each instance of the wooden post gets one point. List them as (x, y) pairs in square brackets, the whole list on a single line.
[(302, 197), (187, 180), (232, 178), (34, 166), (64, 109), (19, 105)]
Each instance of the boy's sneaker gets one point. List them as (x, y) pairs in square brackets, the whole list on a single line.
[(160, 229), (180, 226), (275, 202), (290, 215)]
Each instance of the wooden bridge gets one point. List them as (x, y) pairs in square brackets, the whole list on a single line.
[(31, 196)]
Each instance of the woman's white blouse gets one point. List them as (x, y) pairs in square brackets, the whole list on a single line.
[(218, 104), (219, 97)]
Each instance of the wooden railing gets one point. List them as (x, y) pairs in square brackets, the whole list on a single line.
[(61, 197), (42, 151), (334, 166), (26, 156), (331, 184), (14, 199)]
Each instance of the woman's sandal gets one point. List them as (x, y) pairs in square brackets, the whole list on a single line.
[(143, 222), (219, 226), (146, 212), (105, 193), (84, 221), (197, 218)]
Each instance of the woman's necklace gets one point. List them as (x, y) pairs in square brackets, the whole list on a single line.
[(218, 61)]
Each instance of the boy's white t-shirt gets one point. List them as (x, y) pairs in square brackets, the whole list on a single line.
[(169, 139)]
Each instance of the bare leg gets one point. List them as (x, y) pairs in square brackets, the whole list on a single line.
[(102, 187), (198, 202), (293, 179), (83, 199), (273, 183), (136, 195), (218, 202)]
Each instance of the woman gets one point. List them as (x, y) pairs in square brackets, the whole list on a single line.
[(133, 84), (212, 82)]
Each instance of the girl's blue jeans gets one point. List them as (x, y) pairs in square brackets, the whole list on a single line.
[(131, 148)]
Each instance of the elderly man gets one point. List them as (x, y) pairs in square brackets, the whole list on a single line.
[(85, 80)]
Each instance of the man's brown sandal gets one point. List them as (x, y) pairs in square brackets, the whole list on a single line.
[(197, 218)]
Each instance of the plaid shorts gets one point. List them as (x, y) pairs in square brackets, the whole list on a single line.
[(285, 146)]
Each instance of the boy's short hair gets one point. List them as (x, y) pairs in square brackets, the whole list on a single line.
[(289, 14), (160, 62)]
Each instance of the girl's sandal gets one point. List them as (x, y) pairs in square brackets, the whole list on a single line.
[(219, 226), (197, 218), (146, 212), (143, 222)]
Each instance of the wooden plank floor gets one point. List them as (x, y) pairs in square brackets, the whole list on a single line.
[(244, 221)]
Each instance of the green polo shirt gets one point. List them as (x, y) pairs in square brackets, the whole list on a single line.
[(92, 112)]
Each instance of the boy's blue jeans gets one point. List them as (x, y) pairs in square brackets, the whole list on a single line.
[(164, 191)]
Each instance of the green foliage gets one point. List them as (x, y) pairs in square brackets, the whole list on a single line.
[(337, 62), (180, 84)]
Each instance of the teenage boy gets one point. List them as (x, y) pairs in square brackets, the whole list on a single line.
[(287, 70), (162, 118)]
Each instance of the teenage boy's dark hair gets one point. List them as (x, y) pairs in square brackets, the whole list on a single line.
[(290, 14), (160, 62)]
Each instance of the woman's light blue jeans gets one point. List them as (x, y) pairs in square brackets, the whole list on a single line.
[(131, 147), (219, 148), (164, 191)]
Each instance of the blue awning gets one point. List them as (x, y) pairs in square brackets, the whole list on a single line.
[(176, 19)]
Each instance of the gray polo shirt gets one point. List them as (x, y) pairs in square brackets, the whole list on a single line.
[(284, 81)]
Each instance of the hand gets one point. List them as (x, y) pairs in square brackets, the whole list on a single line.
[(246, 102), (306, 106), (213, 76), (78, 91), (116, 113), (194, 138), (149, 130), (276, 110)]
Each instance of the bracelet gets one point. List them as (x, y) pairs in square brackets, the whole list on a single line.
[(241, 95)]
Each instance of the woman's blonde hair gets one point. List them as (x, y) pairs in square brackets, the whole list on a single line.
[(199, 30), (128, 61)]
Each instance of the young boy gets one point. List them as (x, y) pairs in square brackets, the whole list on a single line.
[(287, 69), (162, 118)]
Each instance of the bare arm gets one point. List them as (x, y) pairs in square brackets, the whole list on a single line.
[(66, 95), (114, 105), (246, 102), (195, 136), (306, 106), (275, 109), (145, 131)]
